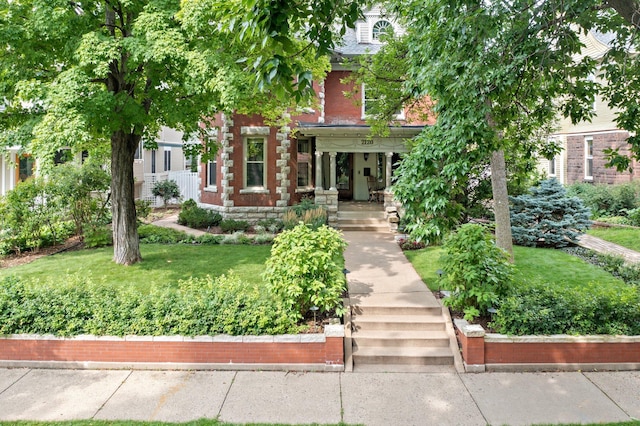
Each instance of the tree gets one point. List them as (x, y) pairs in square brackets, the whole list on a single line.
[(497, 73), (548, 217), (88, 74)]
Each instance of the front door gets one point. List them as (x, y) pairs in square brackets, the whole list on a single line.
[(344, 176)]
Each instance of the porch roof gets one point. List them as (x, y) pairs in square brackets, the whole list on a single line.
[(357, 138)]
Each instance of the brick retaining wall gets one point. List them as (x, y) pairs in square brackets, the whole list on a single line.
[(301, 352), (496, 352)]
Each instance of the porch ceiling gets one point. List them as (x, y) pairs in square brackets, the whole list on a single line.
[(358, 138)]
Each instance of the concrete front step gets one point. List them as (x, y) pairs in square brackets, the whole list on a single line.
[(364, 228), (398, 323), (346, 215), (396, 339), (402, 356), (395, 310)]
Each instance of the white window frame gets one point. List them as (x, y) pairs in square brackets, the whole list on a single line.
[(212, 186), (245, 145), (399, 116), (553, 167), (375, 37), (167, 158), (309, 163), (588, 158)]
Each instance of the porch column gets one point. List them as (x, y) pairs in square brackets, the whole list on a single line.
[(332, 172), (319, 169), (388, 171)]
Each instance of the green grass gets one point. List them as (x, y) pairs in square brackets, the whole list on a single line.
[(626, 237), (162, 264), (531, 265)]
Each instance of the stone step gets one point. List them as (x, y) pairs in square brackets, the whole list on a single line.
[(366, 220), (395, 339), (361, 215), (398, 323), (364, 227), (395, 310), (402, 356)]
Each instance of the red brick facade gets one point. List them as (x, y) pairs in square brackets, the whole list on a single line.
[(328, 352), (576, 160)]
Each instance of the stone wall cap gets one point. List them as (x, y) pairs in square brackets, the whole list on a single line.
[(334, 330), (312, 338), (560, 338), (469, 330)]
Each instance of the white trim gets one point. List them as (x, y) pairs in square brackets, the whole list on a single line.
[(588, 142), (399, 116), (245, 161)]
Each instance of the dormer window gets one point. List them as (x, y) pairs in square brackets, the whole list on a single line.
[(379, 28)]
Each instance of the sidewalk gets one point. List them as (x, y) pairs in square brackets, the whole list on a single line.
[(354, 398)]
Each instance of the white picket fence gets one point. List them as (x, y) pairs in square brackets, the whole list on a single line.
[(187, 182)]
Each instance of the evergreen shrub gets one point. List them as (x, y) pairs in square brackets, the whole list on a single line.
[(548, 217), (197, 217)]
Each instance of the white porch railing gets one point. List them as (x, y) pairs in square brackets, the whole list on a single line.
[(187, 182)]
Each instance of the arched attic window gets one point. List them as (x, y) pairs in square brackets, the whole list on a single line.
[(379, 28)]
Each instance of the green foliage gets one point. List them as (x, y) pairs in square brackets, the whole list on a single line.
[(31, 217), (199, 306), (152, 234), (143, 209), (546, 309), (547, 217), (272, 225), (607, 200), (231, 225), (101, 236), (476, 271), (305, 269), (615, 265), (167, 190), (197, 217)]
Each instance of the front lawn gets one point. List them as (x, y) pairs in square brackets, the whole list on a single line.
[(162, 265), (554, 292), (531, 265), (626, 237)]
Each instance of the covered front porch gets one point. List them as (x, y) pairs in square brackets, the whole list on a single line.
[(352, 165)]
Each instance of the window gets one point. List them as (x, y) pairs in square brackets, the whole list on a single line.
[(552, 167), (304, 163), (167, 159), (153, 161), (138, 154), (84, 156), (379, 28), (588, 158), (254, 162), (368, 102), (212, 173), (26, 164), (62, 156)]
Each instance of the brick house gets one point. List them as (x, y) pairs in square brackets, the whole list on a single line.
[(582, 158), (327, 154)]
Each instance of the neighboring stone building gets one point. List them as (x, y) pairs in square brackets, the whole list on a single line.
[(582, 158), (327, 154)]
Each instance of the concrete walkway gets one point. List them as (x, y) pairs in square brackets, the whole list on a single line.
[(601, 246)]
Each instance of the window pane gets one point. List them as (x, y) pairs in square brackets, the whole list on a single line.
[(255, 174), (303, 174), (255, 150), (589, 171), (211, 177)]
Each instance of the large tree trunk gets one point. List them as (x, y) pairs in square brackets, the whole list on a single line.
[(501, 202), (126, 244)]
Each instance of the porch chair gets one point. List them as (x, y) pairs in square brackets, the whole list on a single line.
[(376, 190)]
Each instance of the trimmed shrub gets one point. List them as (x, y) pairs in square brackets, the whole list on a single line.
[(545, 309), (196, 217), (100, 236), (547, 217), (305, 269), (230, 225), (167, 190), (476, 270), (75, 305)]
